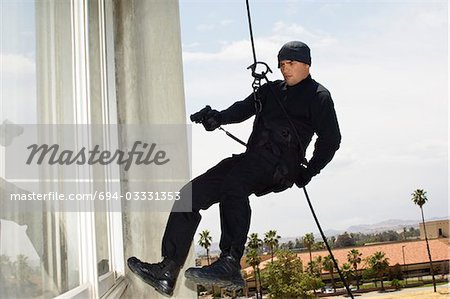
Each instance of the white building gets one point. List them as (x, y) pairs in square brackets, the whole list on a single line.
[(103, 62)]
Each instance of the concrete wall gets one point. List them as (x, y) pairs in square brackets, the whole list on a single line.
[(149, 90), (435, 229)]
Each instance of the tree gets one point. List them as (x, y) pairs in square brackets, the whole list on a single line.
[(395, 272), (397, 284), (419, 198), (205, 242), (354, 258), (314, 268), (379, 265), (254, 260), (5, 268), (299, 243), (308, 241), (328, 265), (285, 277), (271, 240), (254, 245), (348, 272), (318, 261), (288, 245), (254, 242), (344, 240), (22, 269), (318, 246)]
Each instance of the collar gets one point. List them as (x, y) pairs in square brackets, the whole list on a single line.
[(299, 84)]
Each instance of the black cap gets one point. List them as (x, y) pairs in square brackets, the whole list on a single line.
[(295, 50)]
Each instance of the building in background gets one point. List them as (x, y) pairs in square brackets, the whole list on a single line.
[(435, 229)]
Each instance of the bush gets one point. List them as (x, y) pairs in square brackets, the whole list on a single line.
[(285, 277), (397, 284), (395, 272)]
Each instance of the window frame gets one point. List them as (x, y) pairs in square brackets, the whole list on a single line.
[(111, 284)]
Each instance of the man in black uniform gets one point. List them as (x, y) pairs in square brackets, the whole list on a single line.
[(287, 114)]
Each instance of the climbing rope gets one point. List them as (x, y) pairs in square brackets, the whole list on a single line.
[(255, 85)]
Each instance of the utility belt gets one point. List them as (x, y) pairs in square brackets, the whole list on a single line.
[(280, 151)]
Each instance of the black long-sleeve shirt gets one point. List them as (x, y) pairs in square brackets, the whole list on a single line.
[(310, 108)]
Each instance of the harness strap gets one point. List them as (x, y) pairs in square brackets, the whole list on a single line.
[(256, 84)]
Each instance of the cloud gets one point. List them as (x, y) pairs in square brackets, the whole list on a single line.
[(206, 27), (15, 64), (388, 78), (190, 45), (226, 22), (266, 46), (234, 51)]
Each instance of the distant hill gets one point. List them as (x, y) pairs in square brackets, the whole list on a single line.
[(386, 225), (391, 224)]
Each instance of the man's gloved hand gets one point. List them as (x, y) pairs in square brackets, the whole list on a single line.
[(199, 116), (212, 120), (209, 118), (303, 177)]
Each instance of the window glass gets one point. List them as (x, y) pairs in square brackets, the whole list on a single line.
[(38, 250)]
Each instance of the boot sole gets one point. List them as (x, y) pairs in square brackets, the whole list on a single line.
[(232, 285), (162, 289)]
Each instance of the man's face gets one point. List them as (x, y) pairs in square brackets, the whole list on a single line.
[(293, 71)]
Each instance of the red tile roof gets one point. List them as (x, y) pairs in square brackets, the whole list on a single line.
[(415, 252)]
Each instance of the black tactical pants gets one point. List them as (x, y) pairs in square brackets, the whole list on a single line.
[(229, 183)]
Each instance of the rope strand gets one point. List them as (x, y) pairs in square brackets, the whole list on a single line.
[(255, 87), (251, 32)]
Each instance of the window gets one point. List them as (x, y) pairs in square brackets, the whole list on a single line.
[(54, 71)]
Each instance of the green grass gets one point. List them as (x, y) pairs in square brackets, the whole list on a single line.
[(386, 283)]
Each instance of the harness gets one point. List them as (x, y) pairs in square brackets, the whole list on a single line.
[(258, 108)]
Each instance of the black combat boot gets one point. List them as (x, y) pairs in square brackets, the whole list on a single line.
[(162, 276), (225, 273)]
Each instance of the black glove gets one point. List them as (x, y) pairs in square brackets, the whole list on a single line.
[(212, 120), (303, 177), (198, 117), (209, 118)]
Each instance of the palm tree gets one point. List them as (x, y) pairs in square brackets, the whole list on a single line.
[(254, 244), (354, 258), (319, 264), (271, 239), (419, 198), (205, 242), (328, 265), (348, 272), (379, 264), (254, 260), (308, 241)]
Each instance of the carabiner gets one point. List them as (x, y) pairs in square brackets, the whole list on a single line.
[(261, 75)]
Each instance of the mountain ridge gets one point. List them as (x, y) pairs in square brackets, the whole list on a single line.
[(385, 225)]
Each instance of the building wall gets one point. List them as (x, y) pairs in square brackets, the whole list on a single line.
[(98, 62), (435, 229), (149, 90)]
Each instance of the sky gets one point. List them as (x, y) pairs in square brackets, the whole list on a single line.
[(384, 62), (386, 66), (17, 61)]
